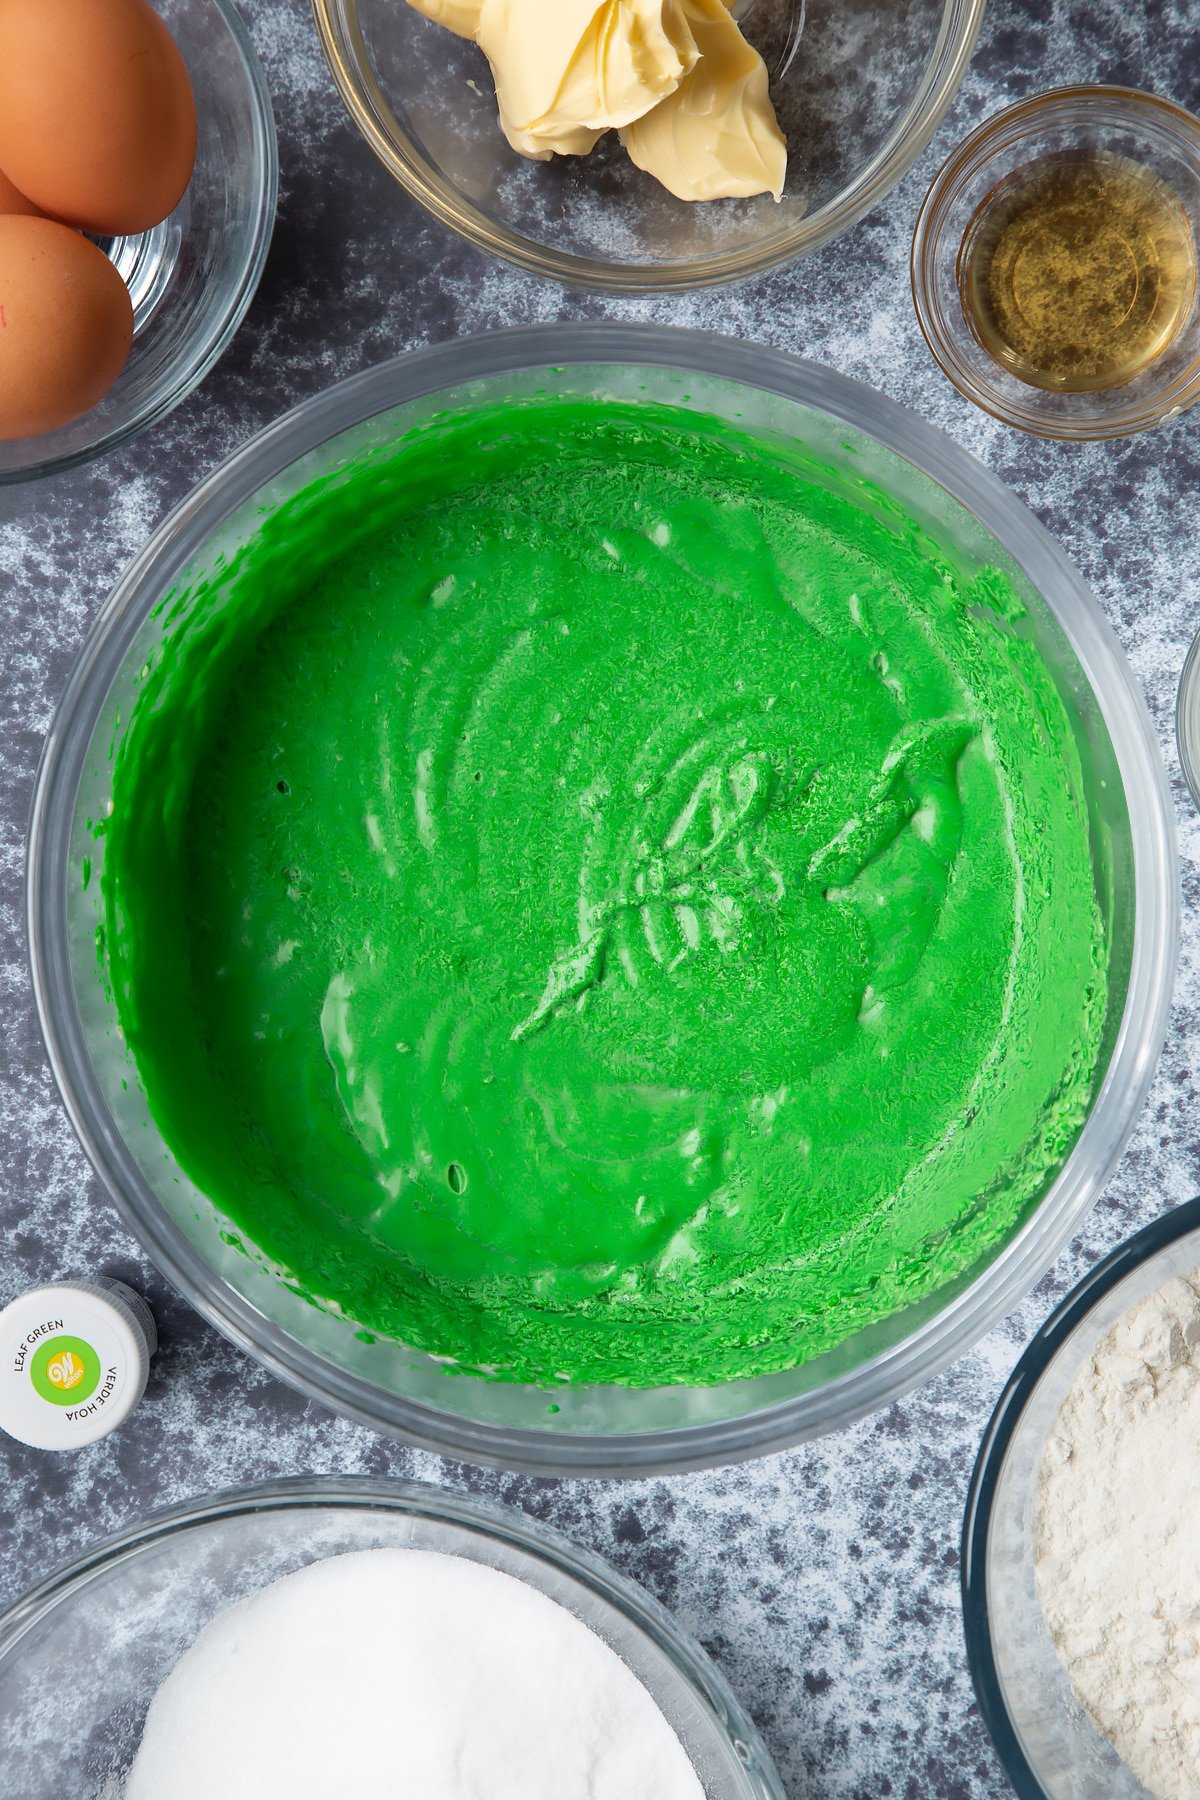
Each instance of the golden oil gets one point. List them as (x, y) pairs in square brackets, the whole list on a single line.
[(1078, 270)]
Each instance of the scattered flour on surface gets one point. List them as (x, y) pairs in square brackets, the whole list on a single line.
[(404, 1675), (1117, 1538)]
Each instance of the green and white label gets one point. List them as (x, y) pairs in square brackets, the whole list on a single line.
[(65, 1371)]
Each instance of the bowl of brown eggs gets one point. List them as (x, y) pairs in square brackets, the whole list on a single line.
[(138, 181)]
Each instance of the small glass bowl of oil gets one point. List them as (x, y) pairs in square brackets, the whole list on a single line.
[(1054, 263)]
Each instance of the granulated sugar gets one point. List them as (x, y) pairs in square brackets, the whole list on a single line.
[(1116, 1544), (405, 1675)]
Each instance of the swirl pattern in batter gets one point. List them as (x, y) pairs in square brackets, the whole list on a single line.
[(594, 896)]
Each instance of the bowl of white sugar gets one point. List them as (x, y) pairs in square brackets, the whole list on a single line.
[(387, 1639), (1081, 1547)]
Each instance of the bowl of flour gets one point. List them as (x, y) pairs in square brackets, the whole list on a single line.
[(1081, 1558), (388, 1639)]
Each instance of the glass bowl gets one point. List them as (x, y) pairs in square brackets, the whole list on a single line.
[(1116, 120), (192, 277), (859, 90), (1187, 720), (578, 1429), (1049, 1747), (82, 1655)]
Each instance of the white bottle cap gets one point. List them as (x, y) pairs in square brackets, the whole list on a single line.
[(74, 1357)]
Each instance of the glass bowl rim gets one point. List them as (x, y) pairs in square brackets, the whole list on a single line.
[(1035, 110), (958, 33), (498, 1520), (955, 1326), (186, 372), (1187, 733), (1019, 1389)]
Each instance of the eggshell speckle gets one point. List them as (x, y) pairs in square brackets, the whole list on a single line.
[(66, 326), (97, 116)]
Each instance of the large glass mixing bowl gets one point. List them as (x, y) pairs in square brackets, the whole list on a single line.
[(885, 451), (859, 87)]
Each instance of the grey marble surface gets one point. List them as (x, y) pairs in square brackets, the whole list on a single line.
[(823, 1581)]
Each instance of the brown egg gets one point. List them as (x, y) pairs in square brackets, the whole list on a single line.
[(97, 118), (12, 200), (66, 326)]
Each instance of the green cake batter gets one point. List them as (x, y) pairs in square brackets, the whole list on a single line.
[(594, 896)]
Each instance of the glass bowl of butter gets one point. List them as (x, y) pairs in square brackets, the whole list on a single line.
[(648, 145)]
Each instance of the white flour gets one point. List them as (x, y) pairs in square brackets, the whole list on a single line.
[(1117, 1538), (404, 1675)]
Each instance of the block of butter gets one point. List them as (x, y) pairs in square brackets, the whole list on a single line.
[(716, 136), (686, 91), (570, 70)]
